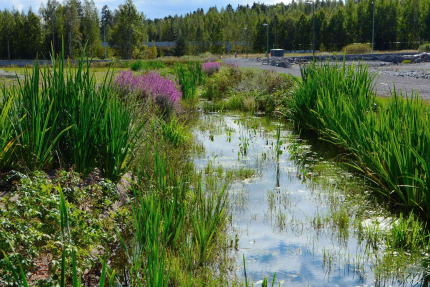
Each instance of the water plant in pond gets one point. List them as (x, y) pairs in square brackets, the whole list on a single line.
[(392, 150)]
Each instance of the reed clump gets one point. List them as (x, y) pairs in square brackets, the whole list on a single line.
[(390, 144), (60, 117)]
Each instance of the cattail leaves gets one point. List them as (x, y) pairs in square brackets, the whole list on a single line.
[(390, 143)]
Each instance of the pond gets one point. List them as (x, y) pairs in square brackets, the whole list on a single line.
[(297, 210)]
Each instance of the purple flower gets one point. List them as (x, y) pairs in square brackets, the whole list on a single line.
[(211, 67), (148, 86)]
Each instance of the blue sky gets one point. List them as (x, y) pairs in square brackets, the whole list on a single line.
[(151, 8)]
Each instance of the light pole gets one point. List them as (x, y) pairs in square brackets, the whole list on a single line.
[(313, 27), (104, 32), (373, 30), (267, 51), (246, 29)]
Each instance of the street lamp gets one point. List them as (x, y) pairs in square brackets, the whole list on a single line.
[(246, 29), (267, 51), (373, 30), (313, 26)]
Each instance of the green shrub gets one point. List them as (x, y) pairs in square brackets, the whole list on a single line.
[(357, 49), (406, 61), (146, 65), (424, 47), (136, 66)]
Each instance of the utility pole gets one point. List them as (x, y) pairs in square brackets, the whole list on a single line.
[(373, 30), (313, 31), (104, 32), (313, 26), (246, 29)]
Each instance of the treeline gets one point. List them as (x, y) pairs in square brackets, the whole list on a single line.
[(399, 24)]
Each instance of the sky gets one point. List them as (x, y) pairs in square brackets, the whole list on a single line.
[(151, 8)]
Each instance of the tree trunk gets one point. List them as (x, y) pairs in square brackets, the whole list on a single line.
[(70, 44), (53, 42), (8, 49)]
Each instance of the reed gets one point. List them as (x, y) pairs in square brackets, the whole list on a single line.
[(60, 117), (390, 144)]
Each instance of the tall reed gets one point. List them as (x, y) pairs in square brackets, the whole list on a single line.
[(390, 144), (61, 118)]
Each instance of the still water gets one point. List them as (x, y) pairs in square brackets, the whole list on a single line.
[(301, 214)]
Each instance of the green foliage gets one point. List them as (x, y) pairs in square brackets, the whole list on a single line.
[(424, 47), (391, 150), (189, 77), (357, 49), (49, 232), (406, 61), (174, 131), (249, 89), (146, 65)]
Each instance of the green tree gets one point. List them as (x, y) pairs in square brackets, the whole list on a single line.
[(128, 31), (90, 24), (49, 15), (32, 37), (7, 30)]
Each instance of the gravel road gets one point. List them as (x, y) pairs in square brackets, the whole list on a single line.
[(405, 77)]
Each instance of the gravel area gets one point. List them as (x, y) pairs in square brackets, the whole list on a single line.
[(4, 74), (404, 77)]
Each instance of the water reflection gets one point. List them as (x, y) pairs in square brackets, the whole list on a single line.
[(295, 217)]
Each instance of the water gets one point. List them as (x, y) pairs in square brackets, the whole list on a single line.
[(302, 216)]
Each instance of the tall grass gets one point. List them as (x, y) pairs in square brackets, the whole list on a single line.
[(390, 144), (166, 223), (189, 77), (61, 118)]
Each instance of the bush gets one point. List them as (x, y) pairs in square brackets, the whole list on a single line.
[(357, 49), (211, 68), (424, 47), (146, 65), (136, 66), (406, 61)]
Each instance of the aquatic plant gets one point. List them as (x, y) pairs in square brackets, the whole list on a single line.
[(390, 143), (189, 77)]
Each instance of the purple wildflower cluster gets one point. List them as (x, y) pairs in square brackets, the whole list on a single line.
[(148, 86), (211, 67)]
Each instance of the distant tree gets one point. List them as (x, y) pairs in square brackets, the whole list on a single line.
[(7, 29), (72, 25), (180, 46), (106, 20), (128, 30), (32, 35), (90, 25), (49, 14)]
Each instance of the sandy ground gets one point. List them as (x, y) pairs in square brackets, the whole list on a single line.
[(400, 76)]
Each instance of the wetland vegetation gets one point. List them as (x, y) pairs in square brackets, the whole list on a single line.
[(180, 174)]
